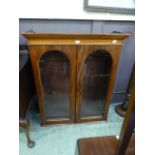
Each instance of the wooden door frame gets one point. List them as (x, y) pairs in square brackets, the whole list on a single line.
[(36, 52), (83, 52)]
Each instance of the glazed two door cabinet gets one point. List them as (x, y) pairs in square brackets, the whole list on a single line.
[(74, 74)]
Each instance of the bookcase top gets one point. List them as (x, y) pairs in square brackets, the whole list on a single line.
[(75, 36), (74, 39)]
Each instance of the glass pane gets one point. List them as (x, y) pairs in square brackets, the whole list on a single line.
[(55, 77), (96, 74)]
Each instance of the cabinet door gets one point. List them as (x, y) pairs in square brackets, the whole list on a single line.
[(56, 70), (96, 68)]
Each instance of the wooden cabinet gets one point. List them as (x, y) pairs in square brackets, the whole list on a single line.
[(74, 74)]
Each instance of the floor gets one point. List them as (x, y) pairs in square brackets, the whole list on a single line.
[(61, 139)]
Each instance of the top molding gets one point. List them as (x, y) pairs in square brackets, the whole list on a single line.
[(74, 39)]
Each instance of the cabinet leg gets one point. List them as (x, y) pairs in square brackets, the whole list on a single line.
[(31, 143), (25, 124)]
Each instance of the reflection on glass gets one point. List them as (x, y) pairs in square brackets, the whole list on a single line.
[(96, 74), (55, 77)]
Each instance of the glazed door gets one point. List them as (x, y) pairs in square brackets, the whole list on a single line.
[(56, 71), (94, 71)]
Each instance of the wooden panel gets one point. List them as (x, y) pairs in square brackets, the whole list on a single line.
[(36, 52), (74, 42), (83, 53), (102, 146), (42, 36)]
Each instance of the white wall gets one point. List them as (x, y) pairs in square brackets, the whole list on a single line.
[(64, 9)]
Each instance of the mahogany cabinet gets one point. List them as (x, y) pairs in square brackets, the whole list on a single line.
[(74, 74)]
